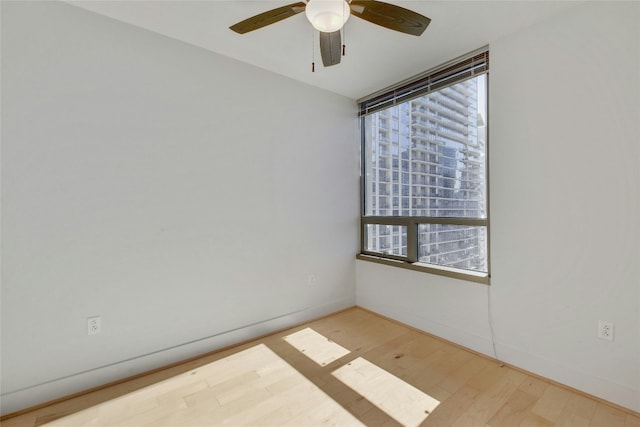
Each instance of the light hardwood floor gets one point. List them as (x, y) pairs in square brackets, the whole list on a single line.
[(271, 382)]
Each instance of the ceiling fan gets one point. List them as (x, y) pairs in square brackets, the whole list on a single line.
[(329, 16)]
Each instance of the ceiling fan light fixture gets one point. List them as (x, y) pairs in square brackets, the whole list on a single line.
[(327, 16)]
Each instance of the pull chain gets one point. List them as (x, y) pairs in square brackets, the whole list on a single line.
[(313, 51), (344, 35), (344, 40)]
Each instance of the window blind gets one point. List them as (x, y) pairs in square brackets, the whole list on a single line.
[(467, 66)]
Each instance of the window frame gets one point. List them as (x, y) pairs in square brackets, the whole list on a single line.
[(405, 91)]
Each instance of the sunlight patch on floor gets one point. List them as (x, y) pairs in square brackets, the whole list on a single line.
[(316, 347), (401, 401), (252, 387)]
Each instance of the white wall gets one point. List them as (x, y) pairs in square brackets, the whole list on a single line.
[(182, 196), (565, 203)]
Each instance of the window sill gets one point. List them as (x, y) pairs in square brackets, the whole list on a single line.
[(471, 276)]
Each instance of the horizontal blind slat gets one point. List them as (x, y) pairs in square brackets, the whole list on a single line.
[(475, 65)]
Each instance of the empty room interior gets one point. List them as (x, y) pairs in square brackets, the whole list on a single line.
[(416, 229)]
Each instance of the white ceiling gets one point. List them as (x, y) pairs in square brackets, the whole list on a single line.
[(376, 57)]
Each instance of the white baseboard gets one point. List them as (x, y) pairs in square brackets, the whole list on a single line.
[(619, 394), (13, 401), (460, 337)]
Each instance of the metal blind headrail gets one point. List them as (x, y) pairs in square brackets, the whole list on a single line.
[(475, 64)]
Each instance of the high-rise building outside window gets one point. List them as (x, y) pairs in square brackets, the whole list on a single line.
[(424, 167)]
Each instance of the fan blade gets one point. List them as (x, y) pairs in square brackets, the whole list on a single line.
[(330, 48), (268, 18), (390, 16)]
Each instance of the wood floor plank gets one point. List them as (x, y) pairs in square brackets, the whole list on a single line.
[(316, 346), (284, 406), (325, 413), (486, 377), (632, 421), (454, 360), (491, 399), (514, 411), (551, 403), (403, 402), (378, 418), (359, 406), (533, 420), (459, 376), (278, 409), (518, 409), (572, 420), (534, 386), (268, 382), (577, 412), (451, 409), (606, 416)]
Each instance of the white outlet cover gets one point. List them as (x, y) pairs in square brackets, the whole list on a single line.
[(605, 330), (94, 325)]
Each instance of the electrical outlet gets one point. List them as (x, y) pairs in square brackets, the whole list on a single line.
[(605, 330), (94, 325), (311, 280)]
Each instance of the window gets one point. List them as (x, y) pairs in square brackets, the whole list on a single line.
[(437, 156)]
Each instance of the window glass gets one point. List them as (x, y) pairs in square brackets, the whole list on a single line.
[(386, 239), (457, 246), (443, 162)]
